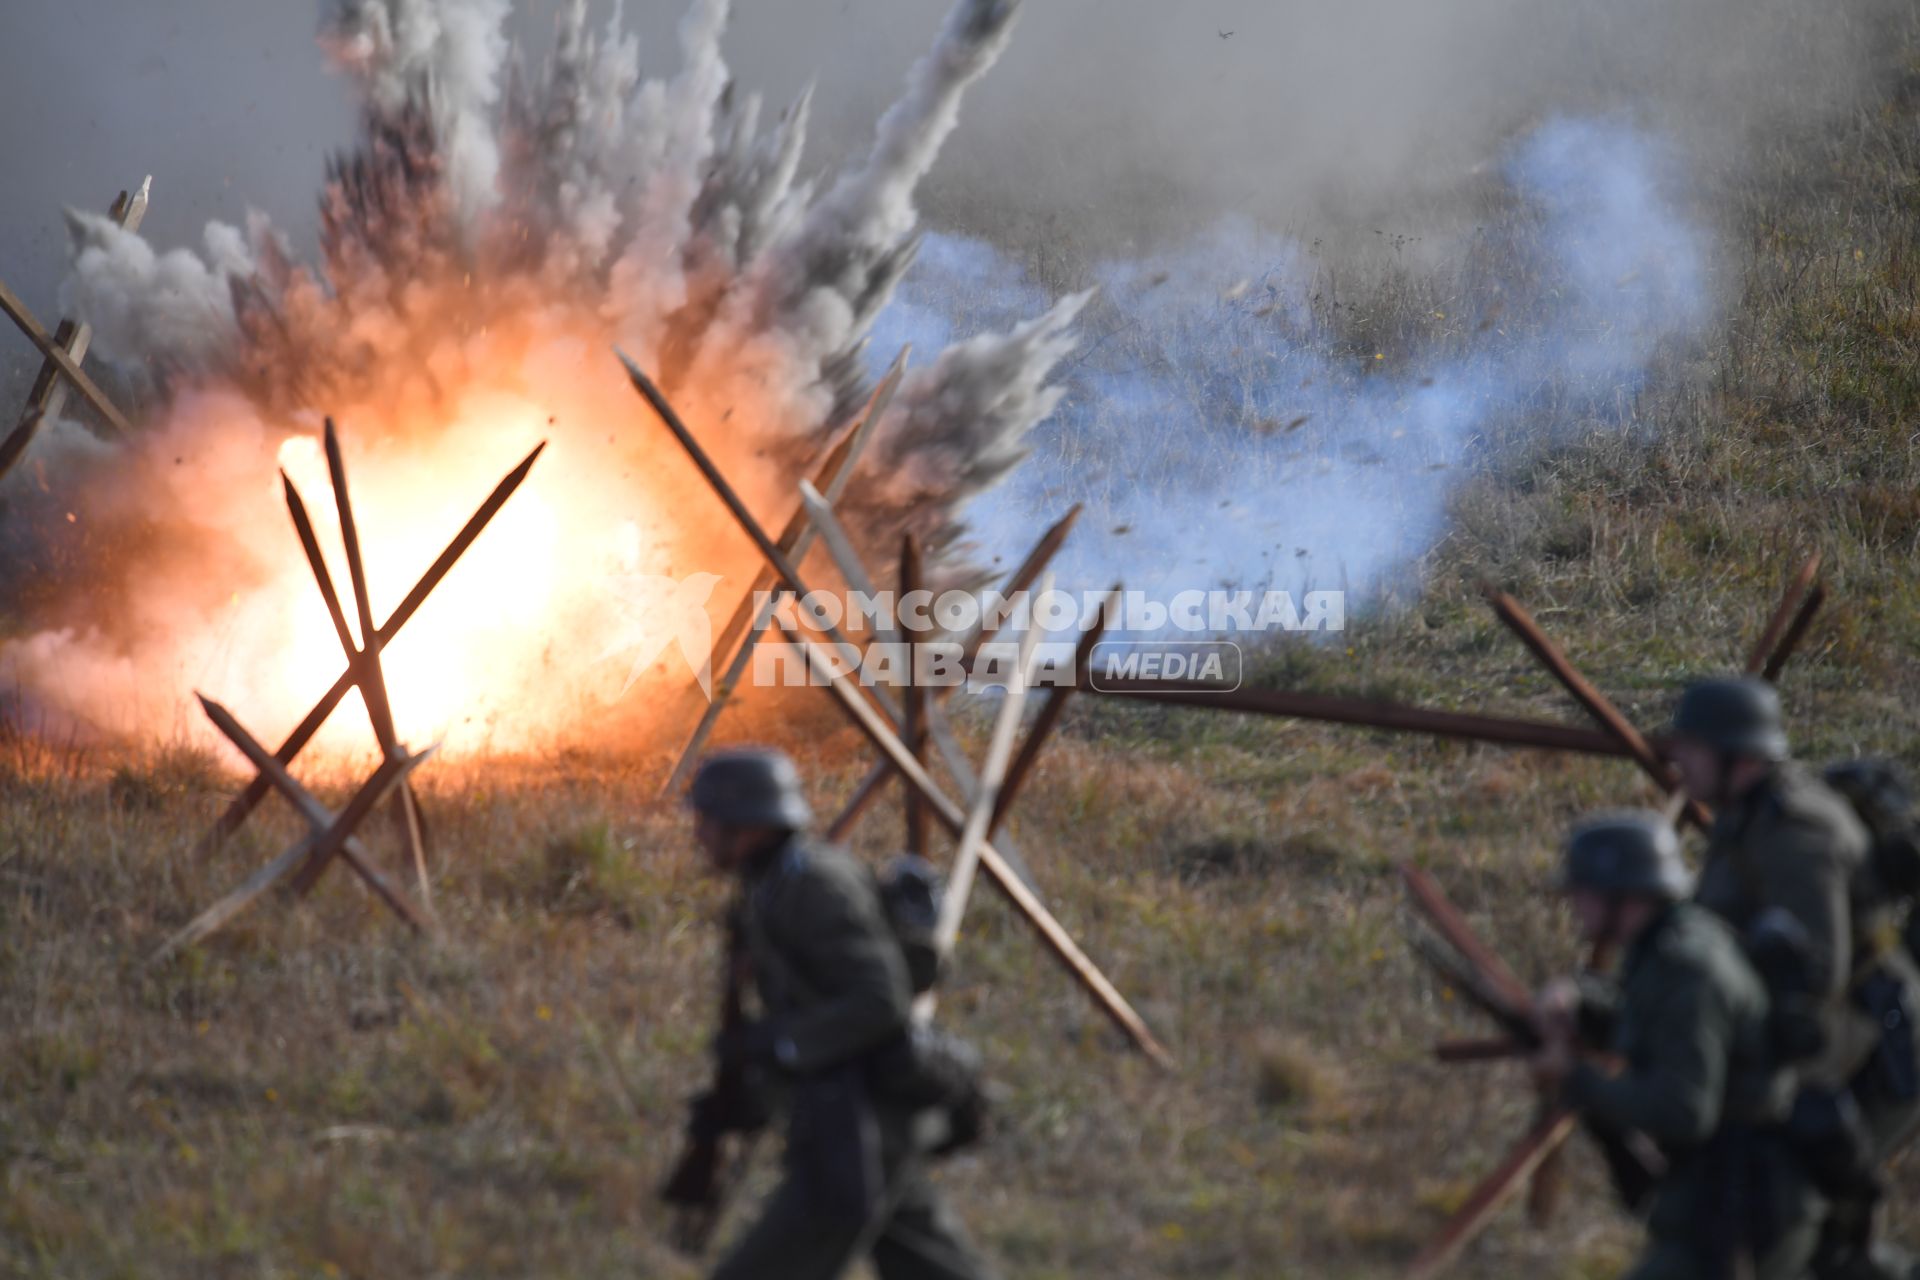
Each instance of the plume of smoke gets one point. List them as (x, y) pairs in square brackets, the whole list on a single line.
[(960, 427), (454, 51), (484, 243), (1219, 437), (564, 137), (675, 147), (818, 293), (663, 198), (172, 310)]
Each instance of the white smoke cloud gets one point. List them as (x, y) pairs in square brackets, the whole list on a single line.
[(454, 50), (1218, 438), (487, 241), (819, 291), (173, 309)]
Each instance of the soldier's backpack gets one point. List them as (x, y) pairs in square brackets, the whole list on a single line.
[(1881, 794), (1882, 798), (910, 893), (928, 1068)]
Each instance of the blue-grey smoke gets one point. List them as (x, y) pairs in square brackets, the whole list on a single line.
[(1222, 431)]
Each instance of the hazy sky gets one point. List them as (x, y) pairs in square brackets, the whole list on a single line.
[(1107, 120)]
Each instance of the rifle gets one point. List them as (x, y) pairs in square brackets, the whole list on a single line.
[(697, 1188), (1477, 972)]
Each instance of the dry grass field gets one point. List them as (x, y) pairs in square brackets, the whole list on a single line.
[(314, 1093)]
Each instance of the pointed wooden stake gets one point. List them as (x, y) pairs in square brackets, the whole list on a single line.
[(1051, 932), (914, 728), (796, 539), (49, 393), (256, 790), (57, 356)]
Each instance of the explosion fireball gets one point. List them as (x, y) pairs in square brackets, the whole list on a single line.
[(488, 240)]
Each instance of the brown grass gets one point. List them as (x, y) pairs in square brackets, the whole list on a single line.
[(315, 1093)]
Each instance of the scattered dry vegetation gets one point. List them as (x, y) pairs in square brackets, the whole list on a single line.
[(315, 1094)]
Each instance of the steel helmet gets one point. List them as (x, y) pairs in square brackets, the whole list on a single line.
[(751, 787), (1629, 852), (1738, 716)]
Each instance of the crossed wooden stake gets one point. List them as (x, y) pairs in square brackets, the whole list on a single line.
[(61, 354), (881, 722), (332, 835), (1479, 973)]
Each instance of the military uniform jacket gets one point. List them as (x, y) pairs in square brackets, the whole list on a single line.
[(825, 962), (1793, 843), (1690, 1023)]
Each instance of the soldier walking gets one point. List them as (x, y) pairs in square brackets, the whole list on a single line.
[(833, 987), (1784, 847), (1689, 1021), (1788, 866)]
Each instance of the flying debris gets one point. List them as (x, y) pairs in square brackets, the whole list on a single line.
[(494, 231)]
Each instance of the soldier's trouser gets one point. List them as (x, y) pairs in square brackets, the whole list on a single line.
[(1848, 1250), (919, 1239), (913, 1236), (1674, 1258)]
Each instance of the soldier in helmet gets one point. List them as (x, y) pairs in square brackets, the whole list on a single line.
[(1689, 1020), (1784, 847), (1787, 864), (834, 991)]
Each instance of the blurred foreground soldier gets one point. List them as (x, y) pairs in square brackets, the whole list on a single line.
[(1793, 868), (1689, 1022), (1782, 855), (832, 1047)]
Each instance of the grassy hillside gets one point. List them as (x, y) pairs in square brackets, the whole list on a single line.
[(314, 1094)]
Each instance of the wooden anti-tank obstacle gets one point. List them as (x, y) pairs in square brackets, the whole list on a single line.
[(333, 835)]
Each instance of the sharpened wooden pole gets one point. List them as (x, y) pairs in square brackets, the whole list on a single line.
[(796, 539), (1796, 632), (986, 793), (57, 356), (723, 489), (831, 478), (1394, 717), (367, 675), (1451, 924), (256, 790), (864, 794), (1596, 704), (1051, 711), (1491, 1049), (1783, 615), (846, 558), (317, 815), (372, 678), (49, 394), (334, 838), (980, 810), (932, 725), (1493, 1192), (1023, 578), (310, 544), (303, 851), (914, 728), (1051, 932)]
